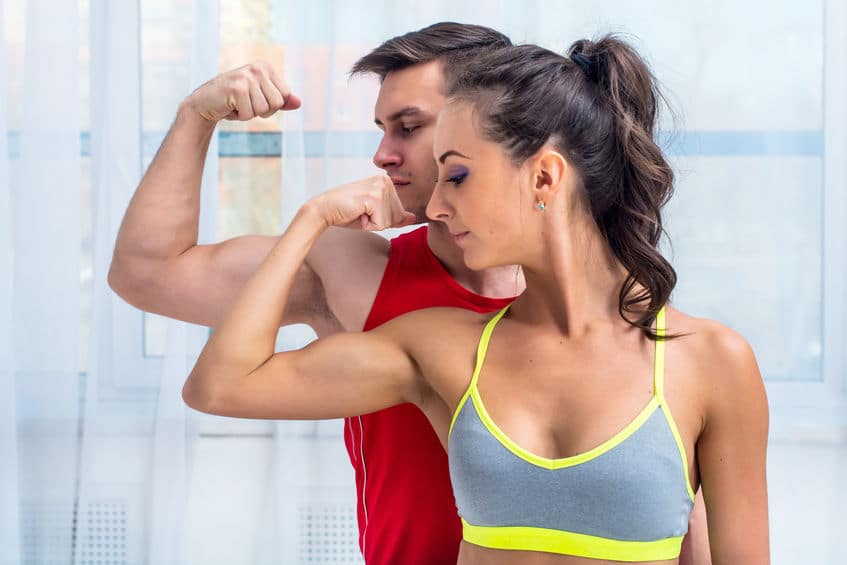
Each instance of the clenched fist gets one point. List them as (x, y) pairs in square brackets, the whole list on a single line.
[(242, 94), (370, 204)]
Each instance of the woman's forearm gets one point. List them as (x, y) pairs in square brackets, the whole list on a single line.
[(245, 340), (247, 336)]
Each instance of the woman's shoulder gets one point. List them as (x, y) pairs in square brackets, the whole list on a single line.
[(709, 339), (719, 358), (442, 343)]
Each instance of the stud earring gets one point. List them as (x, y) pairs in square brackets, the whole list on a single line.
[(541, 206)]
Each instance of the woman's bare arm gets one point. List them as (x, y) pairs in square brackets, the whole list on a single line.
[(731, 452), (238, 373)]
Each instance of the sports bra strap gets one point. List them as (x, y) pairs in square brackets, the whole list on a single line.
[(659, 358), (483, 345)]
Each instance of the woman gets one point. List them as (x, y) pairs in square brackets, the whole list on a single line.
[(580, 420)]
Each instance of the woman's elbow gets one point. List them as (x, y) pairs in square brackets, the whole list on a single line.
[(200, 396)]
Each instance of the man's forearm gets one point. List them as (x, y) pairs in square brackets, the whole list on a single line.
[(163, 217)]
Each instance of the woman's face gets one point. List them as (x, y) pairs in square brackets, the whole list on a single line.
[(483, 198)]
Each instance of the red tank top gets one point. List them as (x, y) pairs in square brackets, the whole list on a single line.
[(406, 510)]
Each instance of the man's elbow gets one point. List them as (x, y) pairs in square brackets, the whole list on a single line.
[(131, 282), (118, 279)]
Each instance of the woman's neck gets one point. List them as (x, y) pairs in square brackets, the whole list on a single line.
[(574, 280)]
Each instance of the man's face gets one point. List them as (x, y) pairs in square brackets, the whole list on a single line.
[(406, 111)]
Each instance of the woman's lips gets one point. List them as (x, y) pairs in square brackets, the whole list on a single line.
[(458, 238)]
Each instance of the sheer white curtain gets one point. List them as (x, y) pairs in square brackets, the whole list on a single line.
[(106, 515), (132, 484), (146, 514), (94, 456), (9, 505), (41, 330)]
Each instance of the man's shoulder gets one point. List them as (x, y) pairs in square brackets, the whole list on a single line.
[(363, 250), (350, 265), (341, 243)]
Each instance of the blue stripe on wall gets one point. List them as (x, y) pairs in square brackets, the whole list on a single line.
[(802, 143), (745, 143)]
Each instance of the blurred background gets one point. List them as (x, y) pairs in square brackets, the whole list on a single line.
[(101, 462)]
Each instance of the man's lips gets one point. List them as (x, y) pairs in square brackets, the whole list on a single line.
[(398, 182)]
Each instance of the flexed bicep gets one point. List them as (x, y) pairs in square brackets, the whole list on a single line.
[(341, 375)]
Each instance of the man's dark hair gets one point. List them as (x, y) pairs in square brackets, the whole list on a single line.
[(450, 42)]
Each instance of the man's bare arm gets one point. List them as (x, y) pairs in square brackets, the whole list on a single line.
[(157, 264), (200, 284)]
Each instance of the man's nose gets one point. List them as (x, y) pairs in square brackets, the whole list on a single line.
[(387, 154)]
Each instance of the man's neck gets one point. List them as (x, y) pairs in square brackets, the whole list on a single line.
[(497, 282)]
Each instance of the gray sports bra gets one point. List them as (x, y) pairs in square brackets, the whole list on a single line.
[(628, 499)]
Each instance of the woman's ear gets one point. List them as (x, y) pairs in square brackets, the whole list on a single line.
[(552, 173)]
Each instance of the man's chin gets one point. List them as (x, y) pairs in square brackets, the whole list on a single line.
[(420, 214), (412, 203)]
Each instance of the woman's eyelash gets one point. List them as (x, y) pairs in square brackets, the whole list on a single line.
[(457, 179)]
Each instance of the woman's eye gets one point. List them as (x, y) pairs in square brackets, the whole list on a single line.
[(409, 129), (457, 179)]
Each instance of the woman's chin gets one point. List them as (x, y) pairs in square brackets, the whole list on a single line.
[(475, 262)]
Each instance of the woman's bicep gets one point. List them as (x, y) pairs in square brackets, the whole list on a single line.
[(341, 375)]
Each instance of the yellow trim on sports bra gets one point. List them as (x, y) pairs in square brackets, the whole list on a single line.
[(563, 462), (481, 349), (659, 388), (570, 543)]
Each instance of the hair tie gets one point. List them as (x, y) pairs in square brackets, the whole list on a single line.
[(589, 69)]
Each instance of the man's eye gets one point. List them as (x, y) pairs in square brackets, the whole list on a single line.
[(409, 129)]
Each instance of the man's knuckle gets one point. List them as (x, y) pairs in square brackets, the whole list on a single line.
[(238, 85)]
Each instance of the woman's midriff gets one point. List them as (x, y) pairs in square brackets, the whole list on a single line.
[(470, 554)]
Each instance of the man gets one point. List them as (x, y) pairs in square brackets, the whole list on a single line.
[(352, 280)]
